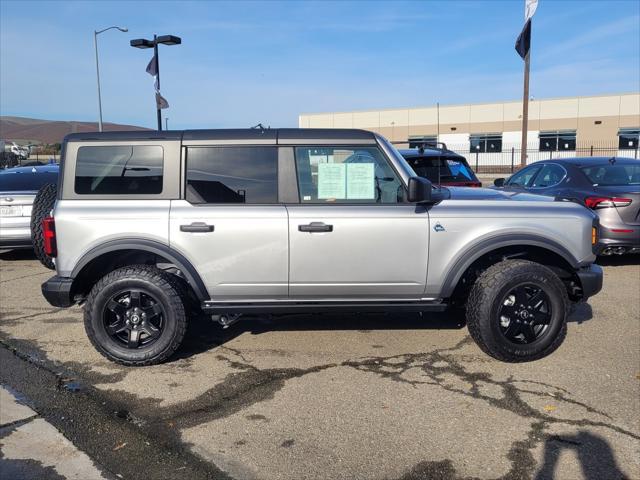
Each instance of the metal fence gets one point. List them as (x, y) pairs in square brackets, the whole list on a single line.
[(508, 159)]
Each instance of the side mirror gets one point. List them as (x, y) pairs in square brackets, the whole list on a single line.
[(499, 182), (419, 190)]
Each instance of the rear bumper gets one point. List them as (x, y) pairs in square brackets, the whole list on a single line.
[(590, 280), (57, 291)]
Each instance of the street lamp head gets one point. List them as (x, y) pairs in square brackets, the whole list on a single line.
[(123, 29), (141, 43), (169, 40)]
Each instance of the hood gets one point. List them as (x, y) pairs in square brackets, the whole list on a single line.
[(465, 193)]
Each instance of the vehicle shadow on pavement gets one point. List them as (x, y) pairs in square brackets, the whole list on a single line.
[(203, 334), (14, 255), (593, 452), (618, 260)]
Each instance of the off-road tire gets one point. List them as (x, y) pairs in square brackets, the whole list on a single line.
[(484, 302), (164, 287), (42, 206)]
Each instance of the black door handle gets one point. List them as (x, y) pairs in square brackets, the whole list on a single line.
[(196, 227), (316, 227)]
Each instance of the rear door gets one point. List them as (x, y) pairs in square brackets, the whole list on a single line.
[(353, 236), (230, 224)]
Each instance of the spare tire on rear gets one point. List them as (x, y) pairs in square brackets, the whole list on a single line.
[(42, 206)]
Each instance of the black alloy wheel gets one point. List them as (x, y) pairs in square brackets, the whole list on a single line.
[(524, 314), (133, 318)]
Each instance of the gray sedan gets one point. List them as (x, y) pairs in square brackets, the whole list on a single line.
[(610, 186), (18, 188)]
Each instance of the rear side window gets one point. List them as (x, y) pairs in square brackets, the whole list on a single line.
[(232, 175), (119, 170), (610, 175)]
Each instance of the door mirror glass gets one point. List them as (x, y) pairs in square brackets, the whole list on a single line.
[(499, 182), (419, 190)]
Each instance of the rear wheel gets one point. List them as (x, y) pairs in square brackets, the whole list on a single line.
[(135, 315), (42, 206), (516, 311)]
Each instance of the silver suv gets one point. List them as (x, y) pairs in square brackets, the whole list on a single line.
[(150, 228)]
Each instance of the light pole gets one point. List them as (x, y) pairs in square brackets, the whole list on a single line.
[(157, 40), (95, 45), (166, 123)]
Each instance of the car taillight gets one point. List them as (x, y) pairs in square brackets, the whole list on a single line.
[(49, 233), (606, 202)]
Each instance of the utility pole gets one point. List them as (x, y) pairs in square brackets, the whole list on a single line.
[(525, 112), (95, 46)]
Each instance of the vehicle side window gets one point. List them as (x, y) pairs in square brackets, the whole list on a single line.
[(524, 177), (232, 175), (549, 176), (119, 170), (346, 175)]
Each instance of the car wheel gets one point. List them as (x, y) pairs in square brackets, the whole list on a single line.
[(135, 316), (42, 206), (516, 311)]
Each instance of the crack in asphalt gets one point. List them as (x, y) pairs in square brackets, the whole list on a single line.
[(249, 385), (24, 276)]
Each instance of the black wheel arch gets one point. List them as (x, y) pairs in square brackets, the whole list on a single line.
[(114, 254), (507, 246)]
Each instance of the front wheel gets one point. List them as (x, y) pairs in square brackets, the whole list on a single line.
[(517, 310), (135, 315)]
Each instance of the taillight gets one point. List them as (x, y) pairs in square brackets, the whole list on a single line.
[(49, 234), (606, 202)]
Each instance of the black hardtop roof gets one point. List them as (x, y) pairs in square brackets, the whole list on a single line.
[(586, 161), (274, 134)]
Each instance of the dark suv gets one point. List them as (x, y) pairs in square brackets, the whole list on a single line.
[(441, 166)]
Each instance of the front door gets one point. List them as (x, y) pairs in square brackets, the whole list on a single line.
[(230, 225), (353, 236)]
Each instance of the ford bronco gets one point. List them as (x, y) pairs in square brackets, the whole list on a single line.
[(148, 228)]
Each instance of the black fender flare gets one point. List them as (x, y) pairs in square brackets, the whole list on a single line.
[(151, 246), (486, 245)]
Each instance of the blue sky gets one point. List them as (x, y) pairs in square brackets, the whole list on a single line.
[(247, 62)]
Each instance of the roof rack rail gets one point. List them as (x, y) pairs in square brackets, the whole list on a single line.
[(422, 144)]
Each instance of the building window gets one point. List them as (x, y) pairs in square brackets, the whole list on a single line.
[(628, 138), (557, 141), (419, 141), (485, 142)]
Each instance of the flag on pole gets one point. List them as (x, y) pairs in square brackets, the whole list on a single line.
[(152, 69), (161, 102), (523, 43)]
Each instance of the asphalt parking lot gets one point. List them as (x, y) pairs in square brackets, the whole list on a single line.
[(334, 397)]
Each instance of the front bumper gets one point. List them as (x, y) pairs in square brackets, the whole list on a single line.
[(57, 291), (590, 280)]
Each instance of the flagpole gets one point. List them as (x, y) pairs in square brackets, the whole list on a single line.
[(155, 53), (525, 112)]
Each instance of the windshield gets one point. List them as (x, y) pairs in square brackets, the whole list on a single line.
[(449, 169), (25, 181), (612, 174)]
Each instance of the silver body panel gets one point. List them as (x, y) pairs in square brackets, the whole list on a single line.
[(374, 251), (244, 257), (256, 253), (82, 225), (467, 223)]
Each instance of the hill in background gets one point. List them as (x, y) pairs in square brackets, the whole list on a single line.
[(31, 130)]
